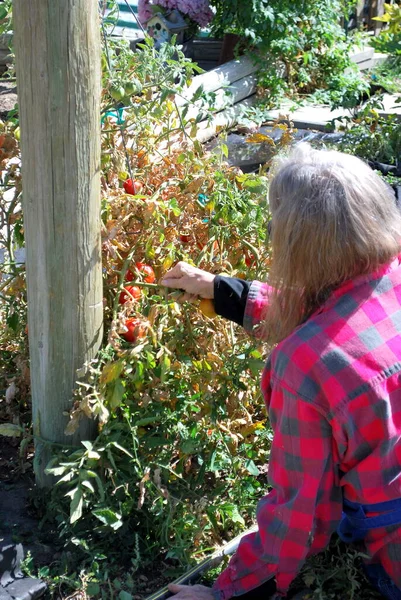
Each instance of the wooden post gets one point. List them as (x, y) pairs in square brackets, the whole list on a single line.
[(57, 48), (230, 42), (376, 9), (360, 13)]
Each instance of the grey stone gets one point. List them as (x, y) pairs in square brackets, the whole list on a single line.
[(26, 589), (11, 556), (4, 595)]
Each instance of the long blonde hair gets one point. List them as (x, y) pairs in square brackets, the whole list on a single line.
[(333, 218)]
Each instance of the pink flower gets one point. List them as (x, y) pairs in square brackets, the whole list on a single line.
[(144, 11), (197, 11)]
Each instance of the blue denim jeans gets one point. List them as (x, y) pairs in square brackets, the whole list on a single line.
[(354, 527), (382, 582)]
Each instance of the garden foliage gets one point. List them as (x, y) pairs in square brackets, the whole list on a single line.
[(302, 46), (180, 459), (179, 407)]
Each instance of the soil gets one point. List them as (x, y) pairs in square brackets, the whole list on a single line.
[(19, 520), (17, 517)]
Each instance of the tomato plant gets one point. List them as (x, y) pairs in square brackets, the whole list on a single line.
[(175, 395), (135, 330), (133, 186), (130, 292), (147, 272)]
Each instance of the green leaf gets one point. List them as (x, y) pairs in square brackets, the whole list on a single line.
[(43, 572), (251, 467), (147, 421), (116, 445), (156, 442), (173, 205), (88, 485), (111, 371), (94, 455), (236, 517), (12, 321), (115, 393), (76, 505), (68, 477), (93, 588), (255, 365), (10, 430), (90, 473), (56, 471), (165, 367), (124, 595), (108, 517)]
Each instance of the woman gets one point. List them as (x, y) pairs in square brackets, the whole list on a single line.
[(332, 384)]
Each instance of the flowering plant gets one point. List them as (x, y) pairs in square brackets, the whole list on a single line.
[(196, 12)]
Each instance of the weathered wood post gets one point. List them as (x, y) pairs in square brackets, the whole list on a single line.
[(376, 9), (57, 48)]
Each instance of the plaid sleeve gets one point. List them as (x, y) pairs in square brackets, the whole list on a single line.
[(299, 515), (257, 302)]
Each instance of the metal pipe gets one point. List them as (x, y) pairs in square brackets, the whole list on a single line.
[(205, 565)]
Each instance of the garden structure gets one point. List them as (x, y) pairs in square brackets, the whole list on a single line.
[(132, 159)]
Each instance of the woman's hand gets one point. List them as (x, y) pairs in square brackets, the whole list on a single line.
[(193, 281), (191, 592)]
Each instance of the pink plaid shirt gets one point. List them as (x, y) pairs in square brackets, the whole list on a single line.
[(333, 392)]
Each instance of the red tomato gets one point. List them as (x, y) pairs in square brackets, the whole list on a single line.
[(185, 237), (129, 276), (147, 271), (134, 293), (132, 186), (249, 260), (136, 330)]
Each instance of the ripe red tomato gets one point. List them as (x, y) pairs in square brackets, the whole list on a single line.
[(185, 237), (147, 271), (249, 260), (132, 186), (134, 293), (136, 330)]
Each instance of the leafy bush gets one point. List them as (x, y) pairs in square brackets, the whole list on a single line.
[(180, 459), (302, 47), (389, 39), (372, 136)]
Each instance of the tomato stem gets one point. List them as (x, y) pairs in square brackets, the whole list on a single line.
[(148, 285)]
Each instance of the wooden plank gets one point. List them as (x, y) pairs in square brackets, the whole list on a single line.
[(317, 117), (379, 58), (207, 50), (365, 65), (225, 97), (223, 120), (222, 76), (57, 48), (358, 55)]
